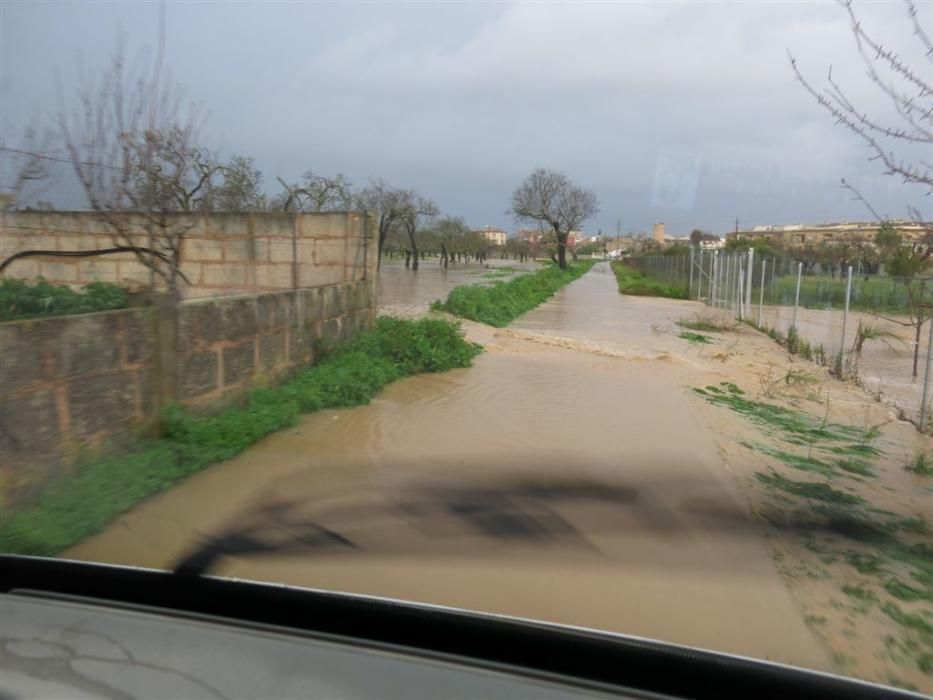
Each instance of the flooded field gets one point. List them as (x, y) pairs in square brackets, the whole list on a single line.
[(885, 365), (570, 475)]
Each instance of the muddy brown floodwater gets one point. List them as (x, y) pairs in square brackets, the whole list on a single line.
[(567, 476)]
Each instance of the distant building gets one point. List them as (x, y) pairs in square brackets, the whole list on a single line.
[(496, 236), (529, 235), (658, 232), (710, 241), (800, 235)]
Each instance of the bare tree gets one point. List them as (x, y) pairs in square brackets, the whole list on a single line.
[(551, 199), (25, 168), (415, 212), (316, 193), (241, 187), (450, 232), (386, 203), (135, 155), (910, 93)]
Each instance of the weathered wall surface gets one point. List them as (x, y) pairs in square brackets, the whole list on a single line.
[(226, 346), (71, 385), (75, 386), (222, 254)]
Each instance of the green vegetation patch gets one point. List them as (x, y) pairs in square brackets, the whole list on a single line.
[(921, 464), (80, 505), (795, 425), (500, 304), (808, 489), (631, 281), (20, 299), (695, 338)]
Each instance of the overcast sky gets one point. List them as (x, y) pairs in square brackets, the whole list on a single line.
[(682, 113)]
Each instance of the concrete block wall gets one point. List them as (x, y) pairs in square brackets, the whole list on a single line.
[(71, 386), (80, 386), (222, 254), (226, 346)]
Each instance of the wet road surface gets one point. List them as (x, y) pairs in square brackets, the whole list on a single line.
[(564, 477)]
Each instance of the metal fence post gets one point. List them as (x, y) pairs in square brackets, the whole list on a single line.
[(797, 295), (926, 381), (727, 297), (714, 278), (700, 276), (748, 283), (845, 314), (690, 284), (761, 293), (740, 302)]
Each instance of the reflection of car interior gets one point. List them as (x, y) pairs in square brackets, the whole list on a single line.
[(72, 629)]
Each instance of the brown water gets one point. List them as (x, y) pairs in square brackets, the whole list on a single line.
[(405, 292), (565, 476)]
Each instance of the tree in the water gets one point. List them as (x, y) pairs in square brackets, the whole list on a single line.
[(551, 199), (415, 212), (386, 203)]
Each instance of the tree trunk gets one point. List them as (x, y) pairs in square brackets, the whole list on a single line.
[(562, 254), (444, 255)]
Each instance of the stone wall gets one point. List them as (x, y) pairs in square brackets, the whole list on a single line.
[(222, 254), (225, 346), (72, 387)]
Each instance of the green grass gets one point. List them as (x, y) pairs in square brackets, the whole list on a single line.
[(795, 426), (807, 489), (875, 294), (500, 304), (695, 338), (631, 281), (20, 299), (83, 504), (921, 465)]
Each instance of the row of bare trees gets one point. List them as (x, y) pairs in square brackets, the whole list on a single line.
[(131, 141)]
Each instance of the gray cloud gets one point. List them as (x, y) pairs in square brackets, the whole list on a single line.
[(686, 113)]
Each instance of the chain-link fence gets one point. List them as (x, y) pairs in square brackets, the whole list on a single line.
[(864, 325)]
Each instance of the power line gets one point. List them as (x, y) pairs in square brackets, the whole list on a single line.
[(58, 159)]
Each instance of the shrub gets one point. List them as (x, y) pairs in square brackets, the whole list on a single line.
[(503, 302), (20, 299), (80, 505)]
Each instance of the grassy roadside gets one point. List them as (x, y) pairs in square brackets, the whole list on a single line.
[(631, 281), (501, 303), (823, 504), (80, 505)]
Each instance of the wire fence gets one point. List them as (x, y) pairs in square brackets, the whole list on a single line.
[(863, 325)]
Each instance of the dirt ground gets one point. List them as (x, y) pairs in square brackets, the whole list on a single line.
[(575, 475)]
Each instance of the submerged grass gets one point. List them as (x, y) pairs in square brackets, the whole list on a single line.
[(695, 338), (631, 281), (707, 324), (500, 304), (795, 425), (80, 505)]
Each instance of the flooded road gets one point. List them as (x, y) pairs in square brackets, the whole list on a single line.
[(564, 477), (405, 293)]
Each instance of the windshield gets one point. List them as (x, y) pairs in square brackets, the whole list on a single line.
[(609, 315)]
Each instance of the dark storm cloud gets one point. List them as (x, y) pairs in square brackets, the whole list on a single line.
[(686, 113)]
